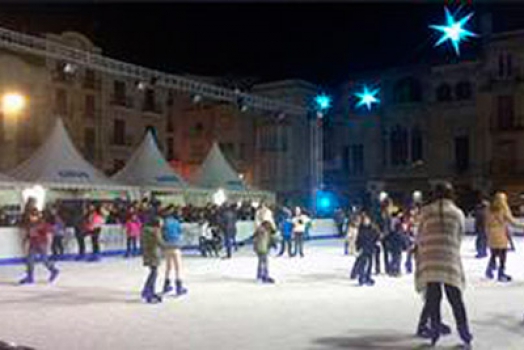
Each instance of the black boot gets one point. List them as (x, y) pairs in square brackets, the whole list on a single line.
[(167, 286), (503, 277), (465, 335), (180, 290)]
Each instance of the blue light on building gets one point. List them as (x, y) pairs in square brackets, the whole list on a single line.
[(454, 30)]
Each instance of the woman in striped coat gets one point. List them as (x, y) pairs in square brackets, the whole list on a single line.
[(439, 265)]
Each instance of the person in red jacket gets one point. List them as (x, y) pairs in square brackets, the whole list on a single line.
[(36, 241)]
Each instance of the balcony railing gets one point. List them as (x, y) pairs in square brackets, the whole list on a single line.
[(91, 83), (123, 101), (152, 108)]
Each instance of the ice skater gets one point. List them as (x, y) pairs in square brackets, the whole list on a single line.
[(439, 264), (172, 236), (367, 238), (481, 211), (498, 220), (286, 228), (133, 231), (300, 223), (263, 239), (351, 235), (36, 242), (150, 242)]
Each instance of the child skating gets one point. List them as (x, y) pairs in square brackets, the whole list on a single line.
[(262, 241), (36, 242), (172, 236)]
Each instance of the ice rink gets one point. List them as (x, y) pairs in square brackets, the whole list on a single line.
[(314, 305)]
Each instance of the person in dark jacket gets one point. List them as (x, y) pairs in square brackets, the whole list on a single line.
[(367, 238), (286, 228), (151, 242), (481, 242), (229, 227)]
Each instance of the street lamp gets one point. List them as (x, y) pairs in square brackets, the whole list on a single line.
[(13, 103)]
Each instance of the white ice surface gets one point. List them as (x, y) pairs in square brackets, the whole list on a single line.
[(313, 306)]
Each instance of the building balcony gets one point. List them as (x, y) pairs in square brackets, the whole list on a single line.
[(152, 108), (121, 101), (91, 113), (127, 141), (61, 77), (91, 84)]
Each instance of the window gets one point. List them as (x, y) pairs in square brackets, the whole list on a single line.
[(119, 90), (89, 143), (463, 90), (509, 65), (90, 106), (407, 90), (170, 148), (399, 146), (242, 151), (345, 158), (149, 100), (357, 159), (61, 102), (443, 93), (501, 65), (505, 112), (89, 79), (462, 153), (197, 130), (119, 132), (228, 149), (170, 127), (417, 153)]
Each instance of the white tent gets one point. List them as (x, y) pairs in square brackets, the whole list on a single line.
[(216, 172), (148, 168), (58, 165)]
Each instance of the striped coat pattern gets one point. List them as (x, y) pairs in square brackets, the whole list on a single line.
[(438, 246)]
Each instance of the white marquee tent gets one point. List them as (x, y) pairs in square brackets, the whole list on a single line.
[(57, 164), (147, 168), (216, 172)]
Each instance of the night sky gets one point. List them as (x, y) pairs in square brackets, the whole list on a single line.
[(322, 43)]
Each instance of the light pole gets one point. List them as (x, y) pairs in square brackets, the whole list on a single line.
[(322, 106)]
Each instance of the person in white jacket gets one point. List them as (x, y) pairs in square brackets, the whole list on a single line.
[(262, 214), (300, 222)]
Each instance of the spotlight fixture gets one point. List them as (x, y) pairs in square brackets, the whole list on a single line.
[(197, 98), (140, 85), (69, 68)]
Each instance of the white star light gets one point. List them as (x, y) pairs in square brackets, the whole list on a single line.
[(454, 30), (367, 97)]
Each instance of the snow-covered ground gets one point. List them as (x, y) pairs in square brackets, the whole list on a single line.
[(314, 305)]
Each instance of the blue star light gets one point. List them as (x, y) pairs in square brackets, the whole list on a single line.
[(454, 30), (323, 102), (367, 97)]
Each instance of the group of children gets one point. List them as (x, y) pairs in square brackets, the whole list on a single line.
[(392, 234)]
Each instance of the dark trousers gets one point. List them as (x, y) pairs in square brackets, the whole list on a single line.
[(299, 244), (286, 242), (395, 261), (481, 243), (132, 246), (387, 255), (149, 286), (80, 239), (364, 267), (228, 243), (262, 268), (37, 251), (95, 237), (208, 246), (454, 296), (409, 260), (499, 254), (377, 259), (57, 246)]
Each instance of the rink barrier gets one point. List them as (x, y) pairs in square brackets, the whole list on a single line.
[(113, 239)]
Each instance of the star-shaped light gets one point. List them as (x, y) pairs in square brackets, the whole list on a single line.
[(367, 97), (454, 30), (323, 102)]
